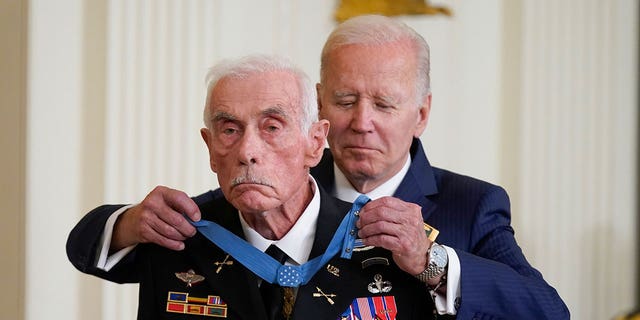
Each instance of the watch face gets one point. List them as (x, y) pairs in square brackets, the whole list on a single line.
[(439, 256)]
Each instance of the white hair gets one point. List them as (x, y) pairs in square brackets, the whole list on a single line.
[(257, 64), (379, 30)]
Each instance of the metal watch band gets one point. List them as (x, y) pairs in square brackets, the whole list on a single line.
[(431, 271)]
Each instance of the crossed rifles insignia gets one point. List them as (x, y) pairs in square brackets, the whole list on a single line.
[(225, 262)]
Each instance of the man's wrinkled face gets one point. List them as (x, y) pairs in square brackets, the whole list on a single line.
[(368, 95), (255, 142)]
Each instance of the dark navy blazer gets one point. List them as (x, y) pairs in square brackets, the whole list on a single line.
[(473, 218)]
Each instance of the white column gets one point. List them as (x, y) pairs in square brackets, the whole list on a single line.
[(53, 156), (576, 217)]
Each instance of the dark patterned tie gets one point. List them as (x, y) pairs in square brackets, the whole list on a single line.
[(272, 294)]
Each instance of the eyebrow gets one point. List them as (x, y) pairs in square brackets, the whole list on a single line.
[(388, 100), (385, 99), (221, 115), (277, 110), (342, 94)]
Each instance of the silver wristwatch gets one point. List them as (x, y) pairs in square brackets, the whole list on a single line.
[(436, 265)]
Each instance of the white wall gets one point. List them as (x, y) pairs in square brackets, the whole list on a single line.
[(577, 213), (53, 154), (549, 109), (532, 95)]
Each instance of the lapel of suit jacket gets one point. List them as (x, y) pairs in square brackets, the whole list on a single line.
[(419, 182), (237, 286), (332, 211)]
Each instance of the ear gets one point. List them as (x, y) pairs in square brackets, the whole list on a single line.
[(423, 116), (206, 136), (317, 137)]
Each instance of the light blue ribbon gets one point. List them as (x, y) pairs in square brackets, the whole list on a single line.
[(271, 270)]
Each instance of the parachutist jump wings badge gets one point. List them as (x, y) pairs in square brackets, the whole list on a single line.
[(190, 277)]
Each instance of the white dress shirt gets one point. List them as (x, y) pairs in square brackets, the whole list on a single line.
[(346, 192)]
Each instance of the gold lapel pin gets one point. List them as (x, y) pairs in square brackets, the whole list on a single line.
[(322, 294), (333, 270), (225, 262)]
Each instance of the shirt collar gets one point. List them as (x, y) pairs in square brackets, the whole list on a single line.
[(346, 192), (297, 243)]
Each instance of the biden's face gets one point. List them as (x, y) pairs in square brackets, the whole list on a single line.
[(368, 94)]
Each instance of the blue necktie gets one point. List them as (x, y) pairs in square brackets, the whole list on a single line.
[(273, 271)]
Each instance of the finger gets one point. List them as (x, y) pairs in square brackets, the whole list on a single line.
[(169, 204), (392, 210), (401, 237), (408, 248), (152, 224), (385, 241), (182, 203), (379, 227), (157, 238), (387, 201), (172, 224), (372, 215)]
